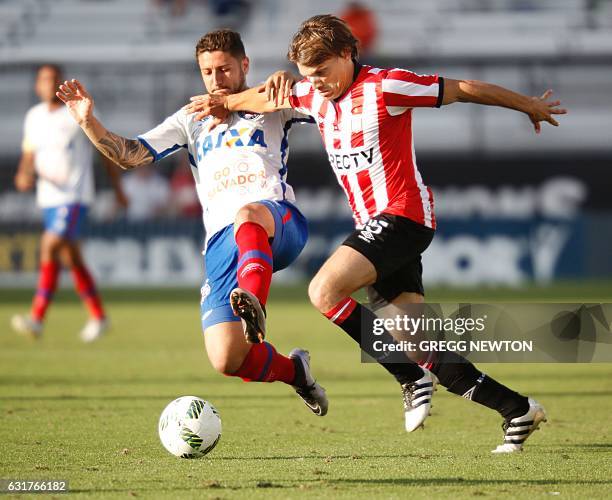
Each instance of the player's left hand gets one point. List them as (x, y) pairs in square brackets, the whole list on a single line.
[(542, 110), (278, 86), (208, 105)]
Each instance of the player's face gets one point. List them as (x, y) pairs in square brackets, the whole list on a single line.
[(223, 73), (47, 82), (332, 77)]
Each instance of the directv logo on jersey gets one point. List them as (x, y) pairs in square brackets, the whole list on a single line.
[(349, 161), (372, 228)]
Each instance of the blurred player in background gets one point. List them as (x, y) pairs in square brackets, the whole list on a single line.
[(364, 116), (252, 226), (58, 158)]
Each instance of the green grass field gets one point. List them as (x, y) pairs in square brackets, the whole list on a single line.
[(88, 413)]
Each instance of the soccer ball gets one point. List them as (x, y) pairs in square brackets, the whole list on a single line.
[(189, 427)]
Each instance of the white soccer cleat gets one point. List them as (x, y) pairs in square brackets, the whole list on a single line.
[(94, 329), (417, 400), (311, 392), (246, 305), (518, 429), (25, 325)]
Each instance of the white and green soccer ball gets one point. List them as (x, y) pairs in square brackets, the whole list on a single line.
[(189, 427)]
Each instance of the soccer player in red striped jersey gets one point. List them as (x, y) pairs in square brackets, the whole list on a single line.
[(365, 119)]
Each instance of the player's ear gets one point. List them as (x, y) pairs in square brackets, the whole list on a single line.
[(245, 64)]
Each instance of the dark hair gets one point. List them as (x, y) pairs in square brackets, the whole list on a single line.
[(320, 38), (59, 71), (225, 40)]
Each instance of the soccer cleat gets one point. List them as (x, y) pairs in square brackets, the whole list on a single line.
[(309, 390), (518, 429), (417, 400), (25, 325), (94, 329), (247, 307)]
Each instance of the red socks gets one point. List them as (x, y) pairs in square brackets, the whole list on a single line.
[(264, 364), (341, 311), (85, 286), (254, 260), (47, 283)]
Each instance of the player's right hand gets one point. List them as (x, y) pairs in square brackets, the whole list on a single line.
[(278, 86), (80, 104), (208, 105)]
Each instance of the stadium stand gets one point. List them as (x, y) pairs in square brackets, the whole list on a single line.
[(139, 59)]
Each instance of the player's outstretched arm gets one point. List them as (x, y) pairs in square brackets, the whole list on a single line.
[(538, 109), (127, 153), (266, 98)]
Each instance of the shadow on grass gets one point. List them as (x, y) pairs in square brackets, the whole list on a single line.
[(322, 483), (459, 481), (592, 446), (221, 397)]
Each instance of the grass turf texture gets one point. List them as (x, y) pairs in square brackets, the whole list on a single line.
[(88, 413)]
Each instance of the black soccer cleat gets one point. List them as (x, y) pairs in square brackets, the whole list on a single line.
[(247, 307)]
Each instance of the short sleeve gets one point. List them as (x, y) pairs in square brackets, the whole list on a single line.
[(167, 137), (295, 116), (404, 89), (301, 97)]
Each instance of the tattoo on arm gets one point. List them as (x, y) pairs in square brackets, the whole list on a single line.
[(127, 153)]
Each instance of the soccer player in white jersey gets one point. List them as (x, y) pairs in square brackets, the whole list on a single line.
[(57, 156), (364, 116), (252, 225)]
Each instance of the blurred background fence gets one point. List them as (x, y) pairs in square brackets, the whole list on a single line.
[(513, 208)]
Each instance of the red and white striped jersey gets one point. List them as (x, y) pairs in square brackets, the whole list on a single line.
[(367, 134)]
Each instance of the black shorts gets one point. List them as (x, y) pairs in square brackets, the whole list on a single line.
[(393, 244)]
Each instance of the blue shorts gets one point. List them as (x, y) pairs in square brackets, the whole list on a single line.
[(66, 220), (221, 259)]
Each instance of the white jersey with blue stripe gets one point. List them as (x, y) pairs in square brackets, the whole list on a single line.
[(238, 162)]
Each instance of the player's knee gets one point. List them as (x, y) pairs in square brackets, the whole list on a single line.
[(223, 365), (50, 247), (320, 293), (226, 363), (257, 213), (253, 212)]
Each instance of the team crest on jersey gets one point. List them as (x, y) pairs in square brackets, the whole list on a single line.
[(247, 115)]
